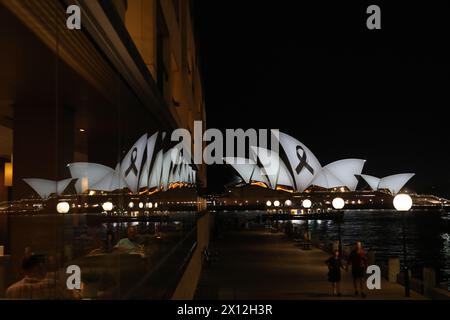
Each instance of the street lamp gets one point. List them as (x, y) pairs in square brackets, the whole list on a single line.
[(403, 203), (307, 204), (63, 207), (338, 204)]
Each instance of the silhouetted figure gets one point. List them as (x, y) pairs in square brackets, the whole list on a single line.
[(357, 259), (334, 272)]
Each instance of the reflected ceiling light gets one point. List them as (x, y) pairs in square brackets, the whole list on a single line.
[(107, 206), (63, 207), (131, 205), (141, 205), (288, 203), (156, 204), (306, 203), (268, 203), (403, 202), (338, 203), (276, 203)]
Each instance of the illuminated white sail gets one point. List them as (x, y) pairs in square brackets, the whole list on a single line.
[(88, 174), (326, 179), (155, 176), (111, 182), (243, 166), (190, 175), (131, 164), (303, 163), (270, 162), (145, 174), (372, 181), (105, 184), (45, 188), (395, 183), (258, 176), (170, 159), (284, 177), (346, 171)]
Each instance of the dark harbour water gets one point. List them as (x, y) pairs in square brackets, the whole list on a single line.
[(428, 243)]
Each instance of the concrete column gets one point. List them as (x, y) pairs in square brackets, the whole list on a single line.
[(393, 269)]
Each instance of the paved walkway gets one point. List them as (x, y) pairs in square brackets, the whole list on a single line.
[(257, 264)]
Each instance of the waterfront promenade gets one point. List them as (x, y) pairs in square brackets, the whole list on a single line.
[(257, 264)]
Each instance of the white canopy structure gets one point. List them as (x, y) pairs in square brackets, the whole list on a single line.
[(155, 175), (111, 182), (326, 179), (345, 171), (130, 168), (284, 177), (372, 181), (244, 167), (259, 176), (273, 167), (393, 183), (145, 174), (170, 159), (88, 174), (45, 188), (304, 165)]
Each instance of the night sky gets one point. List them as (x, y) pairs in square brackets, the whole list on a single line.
[(318, 74)]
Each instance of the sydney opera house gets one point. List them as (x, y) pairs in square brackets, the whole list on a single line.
[(295, 174)]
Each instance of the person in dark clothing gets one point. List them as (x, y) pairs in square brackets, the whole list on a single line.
[(357, 259), (334, 272)]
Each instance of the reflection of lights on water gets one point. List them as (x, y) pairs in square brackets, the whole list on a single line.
[(319, 221)]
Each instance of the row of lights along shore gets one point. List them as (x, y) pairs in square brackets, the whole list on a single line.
[(64, 207), (338, 203), (402, 202)]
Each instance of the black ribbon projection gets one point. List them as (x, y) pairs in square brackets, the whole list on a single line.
[(303, 163), (132, 166)]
